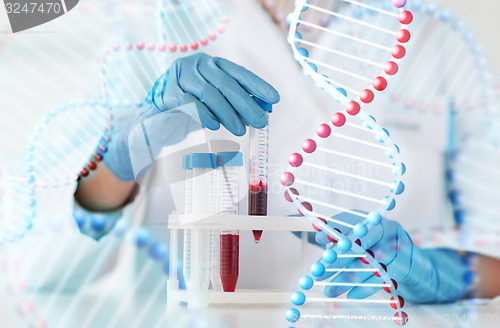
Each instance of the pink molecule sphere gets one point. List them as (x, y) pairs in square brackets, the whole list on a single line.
[(394, 284), (403, 35), (366, 96), (116, 47), (204, 41), (212, 36), (307, 206), (409, 103), (324, 131), (331, 239), (287, 194), (183, 47), (194, 45), (162, 47), (316, 227), (172, 48), (151, 46), (140, 46), (353, 108), (380, 83), (224, 19), (391, 68), (398, 51), (401, 302), (309, 146), (338, 119), (221, 29), (295, 160), (401, 321), (287, 179), (405, 17), (398, 3), (128, 46)]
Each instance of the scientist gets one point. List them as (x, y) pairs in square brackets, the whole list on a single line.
[(213, 90)]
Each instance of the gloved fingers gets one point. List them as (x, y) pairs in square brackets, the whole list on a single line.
[(216, 104), (199, 112), (249, 81), (240, 100), (343, 282)]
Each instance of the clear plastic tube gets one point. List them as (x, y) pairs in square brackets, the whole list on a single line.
[(188, 203), (230, 164), (204, 205), (258, 166)]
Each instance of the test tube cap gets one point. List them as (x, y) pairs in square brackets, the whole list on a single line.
[(203, 161), (230, 158), (186, 162), (264, 105)]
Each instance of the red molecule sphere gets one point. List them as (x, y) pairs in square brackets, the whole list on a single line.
[(391, 68), (338, 119), (394, 283), (383, 267), (295, 160), (92, 166), (316, 227), (98, 157), (162, 47), (395, 305), (221, 29), (330, 238), (401, 321), (212, 36), (370, 253), (287, 194), (194, 45), (324, 131), (172, 48), (84, 172), (307, 206), (366, 96), (398, 51), (204, 41), (224, 19), (358, 242), (287, 179), (403, 36), (151, 46), (140, 46), (405, 17), (183, 47), (353, 108), (379, 83), (309, 146)]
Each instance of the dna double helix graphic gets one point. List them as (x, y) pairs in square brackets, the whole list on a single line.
[(353, 135)]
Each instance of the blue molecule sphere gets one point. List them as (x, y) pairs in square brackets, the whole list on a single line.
[(457, 25), (430, 9), (292, 315), (399, 189), (317, 269), (403, 169), (444, 16), (298, 37), (298, 298), (306, 282), (374, 218), (360, 230), (304, 8), (313, 66), (329, 256), (392, 204), (303, 52), (344, 245), (321, 238), (342, 91), (142, 237), (120, 228), (158, 251), (416, 5)]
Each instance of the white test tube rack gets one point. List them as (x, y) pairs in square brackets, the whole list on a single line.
[(177, 223)]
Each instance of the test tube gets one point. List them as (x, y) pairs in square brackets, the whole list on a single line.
[(204, 205), (257, 191), (188, 209), (229, 164)]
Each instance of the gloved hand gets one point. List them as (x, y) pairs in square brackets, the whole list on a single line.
[(195, 90), (422, 275)]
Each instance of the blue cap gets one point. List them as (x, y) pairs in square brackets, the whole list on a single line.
[(230, 158), (264, 105), (203, 161), (186, 162)]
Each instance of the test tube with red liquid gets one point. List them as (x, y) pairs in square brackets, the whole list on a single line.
[(229, 165), (257, 192)]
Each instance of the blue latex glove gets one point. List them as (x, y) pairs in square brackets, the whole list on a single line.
[(423, 275), (195, 90)]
